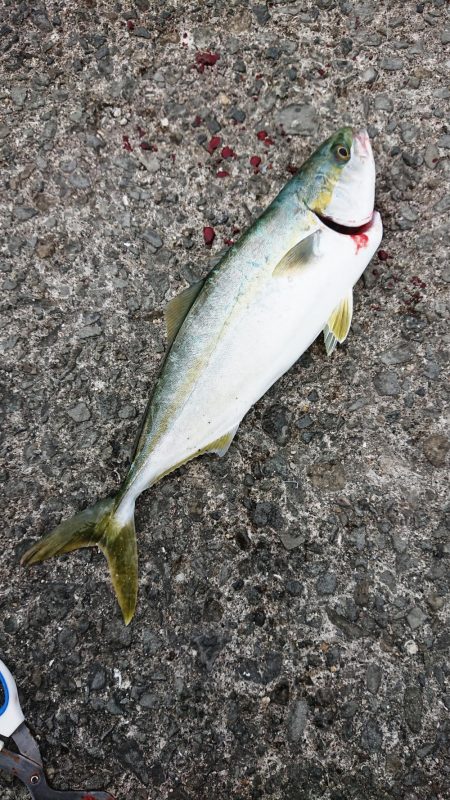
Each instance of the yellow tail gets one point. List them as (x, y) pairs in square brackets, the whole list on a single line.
[(98, 526)]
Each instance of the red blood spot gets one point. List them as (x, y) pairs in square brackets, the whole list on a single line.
[(236, 230), (88, 797), (258, 76), (361, 240), (126, 144), (321, 72), (228, 152), (417, 282), (292, 169), (197, 121), (263, 136), (383, 255), (145, 146), (255, 161), (130, 25), (229, 242), (214, 143), (206, 60), (222, 173), (209, 235), (140, 131)]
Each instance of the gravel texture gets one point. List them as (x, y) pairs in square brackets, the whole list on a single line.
[(292, 638)]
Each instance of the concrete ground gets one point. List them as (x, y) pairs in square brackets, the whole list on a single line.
[(292, 637)]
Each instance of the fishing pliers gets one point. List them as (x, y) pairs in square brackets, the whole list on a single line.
[(27, 763)]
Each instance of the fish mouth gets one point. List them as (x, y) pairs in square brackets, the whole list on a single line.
[(346, 230)]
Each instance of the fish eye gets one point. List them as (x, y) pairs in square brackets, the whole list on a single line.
[(342, 152)]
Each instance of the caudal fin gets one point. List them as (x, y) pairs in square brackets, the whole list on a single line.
[(98, 526)]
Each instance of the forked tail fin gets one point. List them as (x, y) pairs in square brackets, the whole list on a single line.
[(117, 540)]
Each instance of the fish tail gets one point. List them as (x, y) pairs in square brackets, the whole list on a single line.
[(113, 533)]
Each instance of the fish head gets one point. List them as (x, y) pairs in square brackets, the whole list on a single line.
[(339, 179)]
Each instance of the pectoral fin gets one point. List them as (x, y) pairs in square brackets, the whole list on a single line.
[(221, 445), (338, 325), (298, 256), (178, 308)]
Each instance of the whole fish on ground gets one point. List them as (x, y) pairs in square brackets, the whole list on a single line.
[(233, 334)]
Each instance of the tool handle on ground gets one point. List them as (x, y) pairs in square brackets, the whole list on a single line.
[(33, 777), (11, 715)]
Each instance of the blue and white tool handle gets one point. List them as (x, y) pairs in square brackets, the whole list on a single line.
[(11, 715)]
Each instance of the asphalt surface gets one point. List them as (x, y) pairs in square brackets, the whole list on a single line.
[(292, 634)]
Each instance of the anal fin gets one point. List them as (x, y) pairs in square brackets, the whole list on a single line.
[(220, 446), (338, 325)]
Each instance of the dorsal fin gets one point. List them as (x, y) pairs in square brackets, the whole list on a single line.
[(178, 308), (338, 325), (297, 257)]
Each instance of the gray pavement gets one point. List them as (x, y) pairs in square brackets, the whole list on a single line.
[(292, 638)]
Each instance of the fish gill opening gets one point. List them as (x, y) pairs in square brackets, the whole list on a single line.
[(347, 230)]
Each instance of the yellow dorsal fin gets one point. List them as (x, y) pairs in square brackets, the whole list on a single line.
[(297, 257), (338, 325), (178, 308)]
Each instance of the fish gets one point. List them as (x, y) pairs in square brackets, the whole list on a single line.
[(232, 334)]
